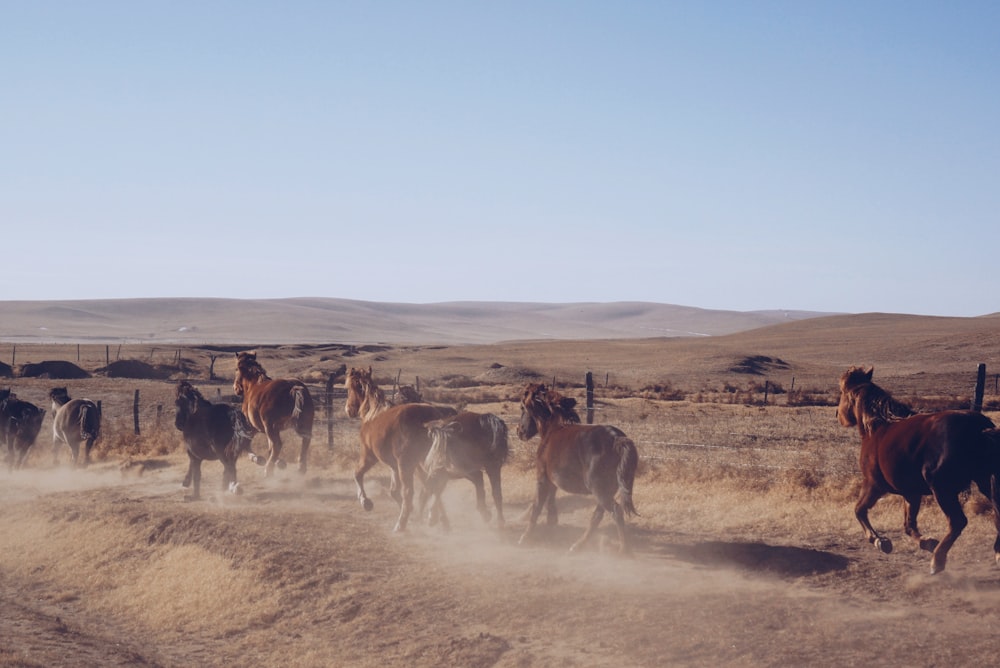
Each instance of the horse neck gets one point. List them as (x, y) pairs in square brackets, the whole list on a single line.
[(373, 403)]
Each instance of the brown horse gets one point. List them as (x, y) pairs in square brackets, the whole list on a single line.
[(74, 422), (597, 460), (273, 405), (213, 432), (20, 422), (393, 435), (463, 447), (914, 455)]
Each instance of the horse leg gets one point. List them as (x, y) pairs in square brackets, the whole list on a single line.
[(869, 497), (493, 473), (406, 482), (304, 452), (911, 507), (952, 508), (86, 452), (274, 446), (595, 519), (229, 476), (368, 460), (544, 492), (477, 480), (194, 473), (74, 447)]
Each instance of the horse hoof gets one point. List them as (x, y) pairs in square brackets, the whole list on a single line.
[(884, 544), (234, 488), (928, 544), (367, 504), (998, 558), (259, 461)]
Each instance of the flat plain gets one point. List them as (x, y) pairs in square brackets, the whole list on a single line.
[(746, 547)]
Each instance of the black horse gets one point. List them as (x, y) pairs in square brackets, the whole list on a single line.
[(20, 422), (211, 431)]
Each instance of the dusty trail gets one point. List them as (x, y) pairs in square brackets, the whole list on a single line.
[(112, 572)]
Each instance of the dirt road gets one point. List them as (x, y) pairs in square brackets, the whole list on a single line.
[(100, 570)]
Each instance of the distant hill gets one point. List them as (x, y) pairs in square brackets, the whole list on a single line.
[(322, 320)]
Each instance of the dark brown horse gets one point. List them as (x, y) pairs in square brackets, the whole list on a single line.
[(394, 435), (273, 405), (914, 455), (20, 422), (74, 422), (216, 432), (464, 447), (597, 460)]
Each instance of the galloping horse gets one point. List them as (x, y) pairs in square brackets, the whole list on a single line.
[(272, 405), (211, 431), (74, 421), (20, 422), (914, 455), (393, 435), (597, 460), (463, 447)]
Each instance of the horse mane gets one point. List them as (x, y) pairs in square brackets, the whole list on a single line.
[(373, 399), (556, 405), (873, 406), (250, 368)]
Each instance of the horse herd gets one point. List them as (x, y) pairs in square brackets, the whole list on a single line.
[(903, 453)]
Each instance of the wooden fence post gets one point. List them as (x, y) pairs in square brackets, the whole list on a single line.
[(590, 398), (135, 412), (159, 415), (977, 401), (767, 386)]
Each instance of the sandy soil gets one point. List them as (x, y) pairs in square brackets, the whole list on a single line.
[(102, 570)]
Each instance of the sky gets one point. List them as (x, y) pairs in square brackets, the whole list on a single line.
[(822, 156)]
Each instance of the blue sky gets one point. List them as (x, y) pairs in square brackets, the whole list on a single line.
[(839, 156)]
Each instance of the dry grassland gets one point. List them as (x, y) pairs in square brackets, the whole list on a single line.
[(747, 549)]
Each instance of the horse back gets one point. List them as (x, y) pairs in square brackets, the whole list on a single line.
[(906, 454), (568, 453), (274, 402), (400, 431)]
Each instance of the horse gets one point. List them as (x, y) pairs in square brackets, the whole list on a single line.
[(272, 405), (20, 422), (914, 455), (213, 432), (463, 447), (597, 460), (394, 435), (74, 421)]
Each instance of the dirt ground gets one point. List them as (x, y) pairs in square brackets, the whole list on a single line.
[(101, 569)]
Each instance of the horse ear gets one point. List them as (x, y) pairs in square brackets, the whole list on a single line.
[(870, 373)]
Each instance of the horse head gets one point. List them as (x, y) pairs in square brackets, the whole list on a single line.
[(59, 396), (248, 370), (850, 381), (541, 406), (364, 397), (186, 402)]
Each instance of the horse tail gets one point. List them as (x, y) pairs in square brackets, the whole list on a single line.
[(298, 394), (90, 421), (242, 434), (499, 447), (628, 462)]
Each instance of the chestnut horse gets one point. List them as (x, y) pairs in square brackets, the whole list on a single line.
[(211, 431), (597, 460), (463, 447), (20, 422), (914, 455), (273, 405), (74, 421), (393, 435)]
